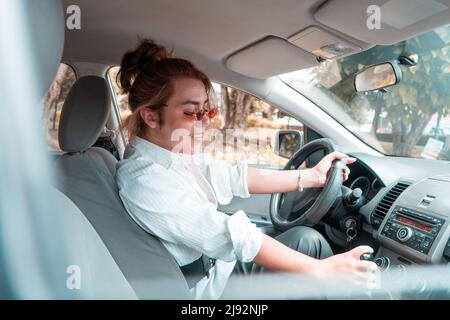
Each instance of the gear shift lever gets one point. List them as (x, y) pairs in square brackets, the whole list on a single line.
[(367, 257)]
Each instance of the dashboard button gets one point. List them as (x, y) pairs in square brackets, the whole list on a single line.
[(426, 243), (404, 234)]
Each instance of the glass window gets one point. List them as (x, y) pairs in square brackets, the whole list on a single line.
[(409, 119), (53, 102), (120, 98), (247, 127), (244, 129)]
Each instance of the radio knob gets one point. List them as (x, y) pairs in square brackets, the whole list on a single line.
[(404, 234)]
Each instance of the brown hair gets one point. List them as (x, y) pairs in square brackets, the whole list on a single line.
[(146, 75)]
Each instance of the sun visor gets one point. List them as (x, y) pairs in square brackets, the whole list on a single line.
[(384, 22), (269, 57)]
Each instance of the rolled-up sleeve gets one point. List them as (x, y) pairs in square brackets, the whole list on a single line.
[(166, 207), (246, 237), (228, 180)]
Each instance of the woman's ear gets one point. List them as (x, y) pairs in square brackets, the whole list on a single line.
[(151, 118)]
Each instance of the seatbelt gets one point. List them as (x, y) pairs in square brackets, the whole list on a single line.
[(196, 270)]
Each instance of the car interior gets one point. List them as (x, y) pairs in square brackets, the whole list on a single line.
[(398, 204)]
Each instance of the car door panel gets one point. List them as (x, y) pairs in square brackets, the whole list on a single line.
[(257, 208)]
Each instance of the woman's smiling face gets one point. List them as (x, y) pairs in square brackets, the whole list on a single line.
[(179, 118)]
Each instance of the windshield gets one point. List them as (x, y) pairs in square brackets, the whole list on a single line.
[(409, 119)]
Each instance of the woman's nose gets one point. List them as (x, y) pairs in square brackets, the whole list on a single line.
[(205, 120), (199, 124)]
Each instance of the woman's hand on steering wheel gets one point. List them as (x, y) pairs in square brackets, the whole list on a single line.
[(322, 168), (324, 183)]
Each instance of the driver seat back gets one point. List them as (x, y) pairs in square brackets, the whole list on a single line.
[(86, 176)]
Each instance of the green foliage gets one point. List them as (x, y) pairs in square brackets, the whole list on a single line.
[(423, 91)]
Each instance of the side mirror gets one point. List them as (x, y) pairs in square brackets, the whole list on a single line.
[(378, 76), (287, 142)]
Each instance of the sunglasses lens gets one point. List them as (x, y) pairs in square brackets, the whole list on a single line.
[(212, 113), (200, 115)]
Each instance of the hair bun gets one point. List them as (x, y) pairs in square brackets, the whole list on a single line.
[(134, 61), (151, 52)]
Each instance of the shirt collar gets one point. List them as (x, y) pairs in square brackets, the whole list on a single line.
[(154, 152)]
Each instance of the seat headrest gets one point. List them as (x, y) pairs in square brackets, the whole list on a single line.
[(84, 114)]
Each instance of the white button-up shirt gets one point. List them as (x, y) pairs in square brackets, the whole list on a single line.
[(175, 198)]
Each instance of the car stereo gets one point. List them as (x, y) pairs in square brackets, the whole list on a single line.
[(413, 229)]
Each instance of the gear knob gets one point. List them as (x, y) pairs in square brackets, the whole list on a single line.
[(367, 257)]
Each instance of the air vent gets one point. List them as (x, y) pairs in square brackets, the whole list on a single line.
[(386, 203)]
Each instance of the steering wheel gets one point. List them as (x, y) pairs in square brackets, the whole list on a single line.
[(310, 206)]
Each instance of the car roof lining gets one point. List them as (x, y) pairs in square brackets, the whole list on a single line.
[(400, 19), (212, 30), (216, 34)]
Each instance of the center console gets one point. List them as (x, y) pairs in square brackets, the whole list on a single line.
[(416, 227), (415, 231), (412, 228)]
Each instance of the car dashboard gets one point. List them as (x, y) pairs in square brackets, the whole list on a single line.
[(407, 209), (363, 178), (407, 214)]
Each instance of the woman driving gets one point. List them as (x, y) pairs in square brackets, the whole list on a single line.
[(173, 193)]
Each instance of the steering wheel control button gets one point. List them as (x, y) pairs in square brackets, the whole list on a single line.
[(404, 234)]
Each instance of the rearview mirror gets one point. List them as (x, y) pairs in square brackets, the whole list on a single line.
[(378, 76), (288, 142)]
